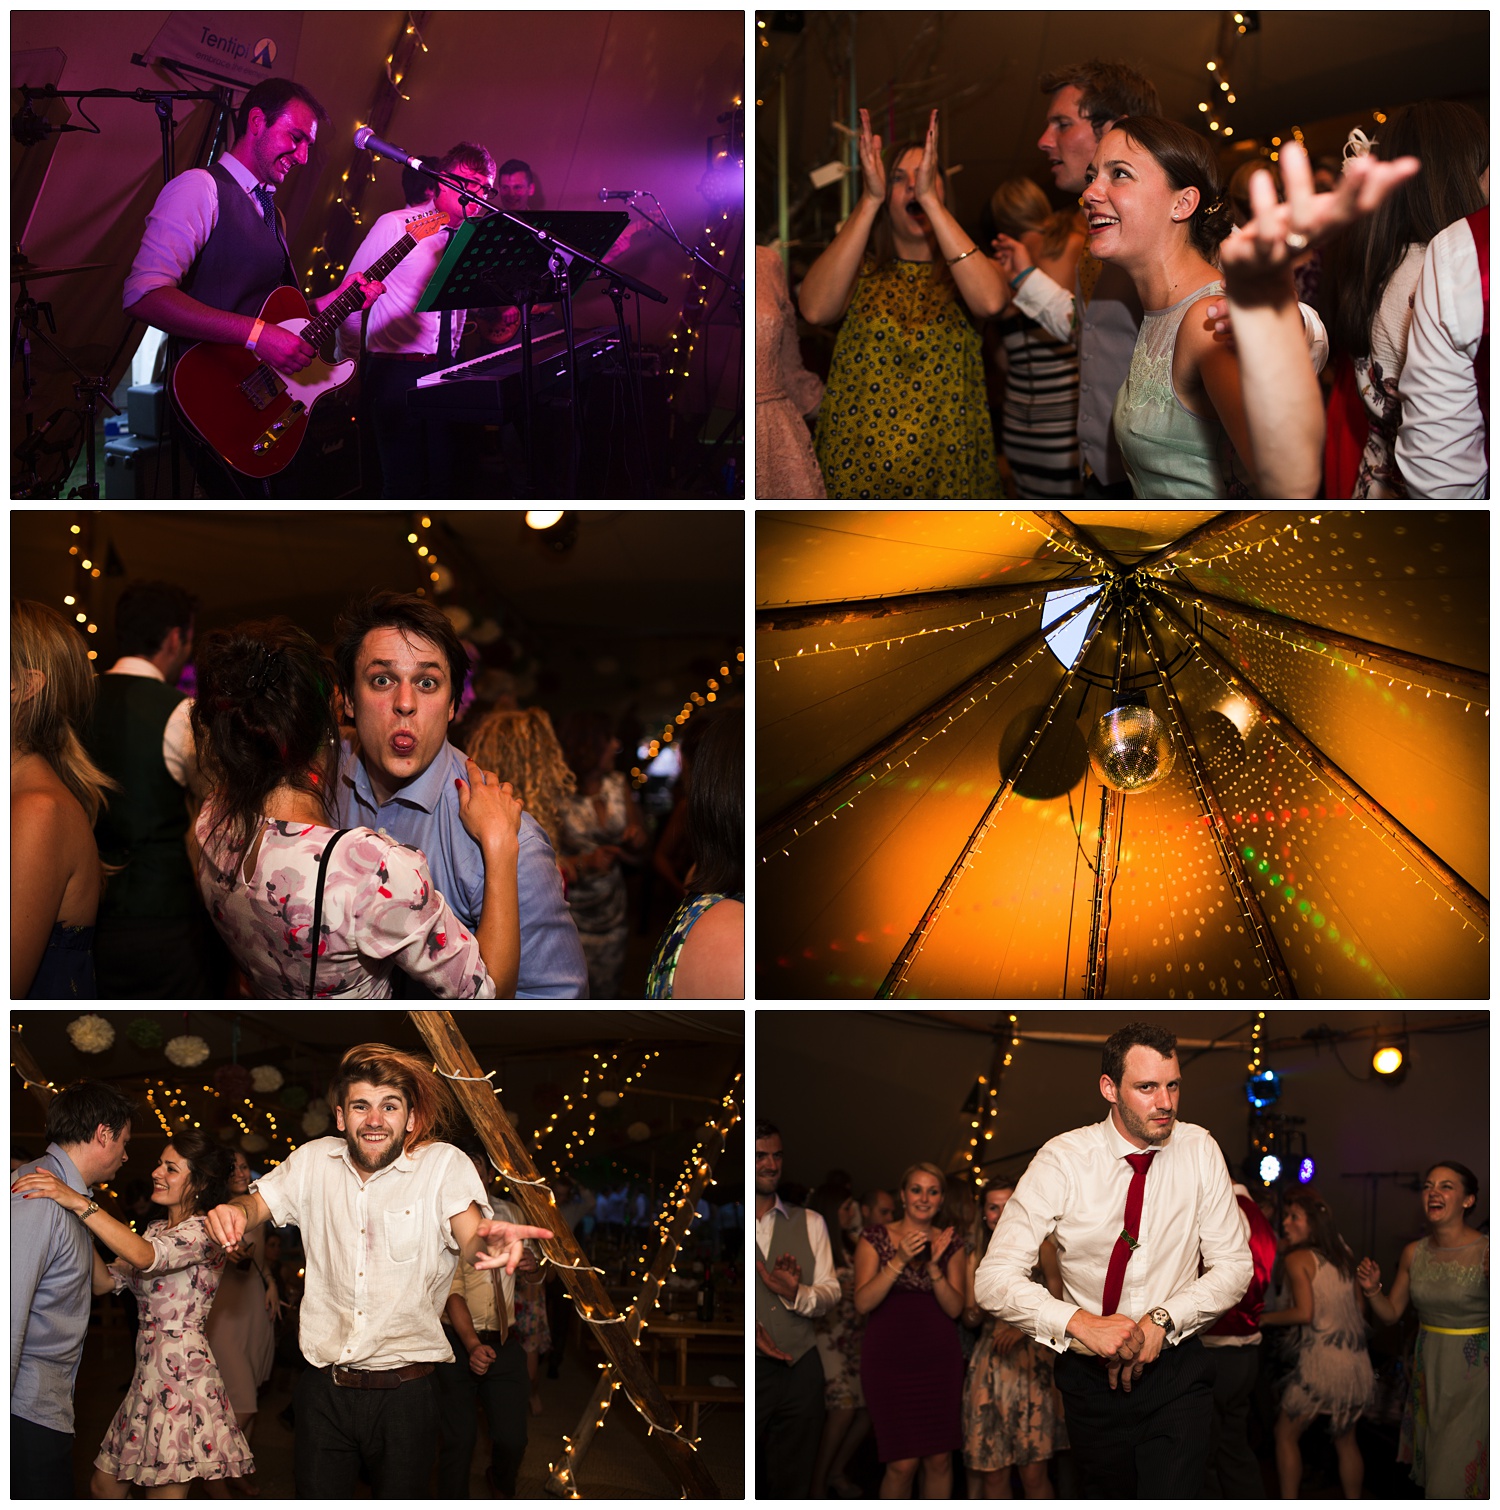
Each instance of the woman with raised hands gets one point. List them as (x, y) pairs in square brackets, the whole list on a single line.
[(904, 413)]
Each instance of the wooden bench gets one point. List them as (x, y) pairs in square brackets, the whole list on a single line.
[(695, 1396)]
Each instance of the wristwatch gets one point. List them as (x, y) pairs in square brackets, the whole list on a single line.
[(1162, 1318), (88, 1211)]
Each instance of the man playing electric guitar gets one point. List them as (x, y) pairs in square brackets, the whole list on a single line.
[(214, 249), (418, 457)]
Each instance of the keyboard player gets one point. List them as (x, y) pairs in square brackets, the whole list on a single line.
[(419, 456)]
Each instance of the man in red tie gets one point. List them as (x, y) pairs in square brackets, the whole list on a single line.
[(1131, 1202)]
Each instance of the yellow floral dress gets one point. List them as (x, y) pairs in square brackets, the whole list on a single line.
[(904, 414)]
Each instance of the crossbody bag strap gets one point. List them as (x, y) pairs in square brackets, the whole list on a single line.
[(317, 925)]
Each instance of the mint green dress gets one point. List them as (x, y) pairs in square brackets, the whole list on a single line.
[(1169, 451)]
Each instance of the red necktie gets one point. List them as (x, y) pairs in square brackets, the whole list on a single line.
[(1126, 1243)]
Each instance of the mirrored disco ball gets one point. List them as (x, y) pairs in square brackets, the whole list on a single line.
[(1130, 749)]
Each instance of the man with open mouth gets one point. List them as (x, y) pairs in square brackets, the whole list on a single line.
[(401, 669)]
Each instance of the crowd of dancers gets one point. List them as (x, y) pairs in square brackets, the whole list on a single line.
[(915, 1333)]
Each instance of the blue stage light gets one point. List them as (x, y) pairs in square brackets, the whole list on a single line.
[(1263, 1090)]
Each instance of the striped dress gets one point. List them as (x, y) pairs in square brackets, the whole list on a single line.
[(1039, 423)]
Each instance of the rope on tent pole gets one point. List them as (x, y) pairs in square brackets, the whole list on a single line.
[(1363, 804), (913, 946), (1229, 857)]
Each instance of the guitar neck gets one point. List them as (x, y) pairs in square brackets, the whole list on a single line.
[(322, 326)]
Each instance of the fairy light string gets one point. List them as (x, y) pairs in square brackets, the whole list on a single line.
[(987, 1114), (898, 761), (1352, 810)]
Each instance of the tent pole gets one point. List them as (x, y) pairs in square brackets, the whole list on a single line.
[(1220, 524), (1107, 862), (854, 610), (1442, 874), (478, 1098), (1060, 524), (897, 973), (1229, 855), (773, 830), (1478, 681)]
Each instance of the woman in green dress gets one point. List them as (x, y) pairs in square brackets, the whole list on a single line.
[(904, 414), (1445, 1433)]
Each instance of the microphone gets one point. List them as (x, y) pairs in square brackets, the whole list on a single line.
[(365, 140), (34, 440), (608, 194)]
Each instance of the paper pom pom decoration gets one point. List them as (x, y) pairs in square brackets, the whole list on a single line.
[(91, 1034), (254, 1143), (315, 1119), (294, 1097), (187, 1050), (266, 1078), (146, 1033), (232, 1081)]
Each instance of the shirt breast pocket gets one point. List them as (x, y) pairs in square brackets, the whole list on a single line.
[(401, 1235)]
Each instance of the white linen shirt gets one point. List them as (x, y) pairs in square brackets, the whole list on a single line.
[(380, 1252), (179, 752), (179, 224), (819, 1297), (1440, 445), (394, 324), (1074, 1192)]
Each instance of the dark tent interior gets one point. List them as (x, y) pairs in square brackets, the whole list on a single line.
[(871, 1092), (1309, 692), (612, 1099), (627, 613), (627, 100)]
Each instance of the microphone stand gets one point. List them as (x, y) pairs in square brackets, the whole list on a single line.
[(561, 258)]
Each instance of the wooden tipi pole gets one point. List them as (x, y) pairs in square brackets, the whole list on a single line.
[(508, 1152), (1220, 524), (23, 1062), (858, 610)]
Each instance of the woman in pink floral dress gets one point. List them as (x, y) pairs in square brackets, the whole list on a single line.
[(267, 740), (175, 1424)]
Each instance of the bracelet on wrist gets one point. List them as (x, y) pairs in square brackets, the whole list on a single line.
[(1015, 282), (259, 326), (962, 255)]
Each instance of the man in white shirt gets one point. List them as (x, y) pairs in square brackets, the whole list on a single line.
[(1442, 447), (789, 1242), (386, 1212), (418, 456), (1132, 1202)]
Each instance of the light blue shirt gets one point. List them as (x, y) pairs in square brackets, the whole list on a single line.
[(51, 1294), (424, 815)]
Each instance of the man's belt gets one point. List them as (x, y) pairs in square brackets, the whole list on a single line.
[(385, 1378)]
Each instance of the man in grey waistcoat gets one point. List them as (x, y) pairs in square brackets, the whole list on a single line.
[(791, 1243)]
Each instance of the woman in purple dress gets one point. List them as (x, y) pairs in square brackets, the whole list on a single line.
[(908, 1279)]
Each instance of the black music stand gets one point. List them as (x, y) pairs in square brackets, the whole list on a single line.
[(503, 259)]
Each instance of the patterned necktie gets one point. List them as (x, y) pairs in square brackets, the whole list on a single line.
[(1128, 1240), (262, 197)]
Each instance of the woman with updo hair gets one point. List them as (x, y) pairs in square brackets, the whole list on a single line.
[(1154, 205), (56, 792), (175, 1423), (308, 910), (1445, 1431), (909, 1281)]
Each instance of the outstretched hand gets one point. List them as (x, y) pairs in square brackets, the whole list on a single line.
[(1257, 258), (871, 164), (503, 1244), (1011, 254)]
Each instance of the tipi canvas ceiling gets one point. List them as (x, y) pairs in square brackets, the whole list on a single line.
[(929, 824)]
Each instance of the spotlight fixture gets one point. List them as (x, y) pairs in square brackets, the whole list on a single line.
[(1306, 1169), (1270, 1169), (558, 527), (1263, 1090), (1389, 1059)]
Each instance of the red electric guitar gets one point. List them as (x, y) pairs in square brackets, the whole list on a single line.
[(253, 416)]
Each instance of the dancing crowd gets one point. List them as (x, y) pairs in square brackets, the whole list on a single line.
[(1285, 334), (305, 826), (1179, 1353)]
